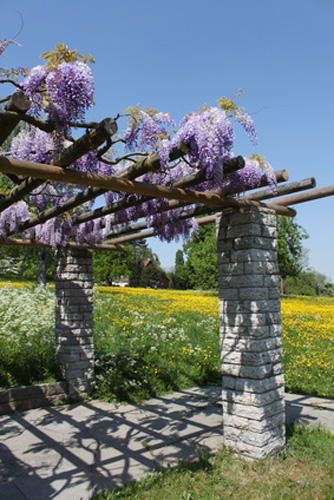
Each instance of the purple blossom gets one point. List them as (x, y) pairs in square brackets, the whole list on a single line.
[(87, 163), (12, 217), (246, 121), (208, 135), (250, 176), (70, 91), (32, 85), (146, 132), (33, 145)]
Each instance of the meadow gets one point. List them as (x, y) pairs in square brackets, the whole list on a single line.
[(152, 341)]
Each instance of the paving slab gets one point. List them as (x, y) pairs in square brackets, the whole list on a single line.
[(69, 452), (310, 410)]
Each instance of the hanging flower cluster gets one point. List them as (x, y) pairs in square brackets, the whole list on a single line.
[(63, 93)]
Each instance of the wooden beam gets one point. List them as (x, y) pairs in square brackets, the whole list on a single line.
[(90, 140), (186, 214), (81, 198), (40, 244), (291, 187), (316, 194), (190, 180), (49, 172), (141, 167), (18, 102), (151, 232)]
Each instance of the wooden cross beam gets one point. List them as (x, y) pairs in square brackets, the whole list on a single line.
[(49, 172)]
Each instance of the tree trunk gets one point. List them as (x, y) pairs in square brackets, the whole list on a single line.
[(41, 280)]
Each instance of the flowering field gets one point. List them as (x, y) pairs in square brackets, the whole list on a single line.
[(308, 344), (152, 341)]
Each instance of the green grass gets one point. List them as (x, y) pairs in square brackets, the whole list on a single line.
[(305, 471)]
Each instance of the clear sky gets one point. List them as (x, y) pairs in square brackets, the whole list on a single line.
[(176, 55)]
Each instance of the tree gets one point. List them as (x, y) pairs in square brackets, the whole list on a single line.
[(290, 236), (200, 270), (141, 252), (24, 262), (109, 265), (179, 259), (310, 283)]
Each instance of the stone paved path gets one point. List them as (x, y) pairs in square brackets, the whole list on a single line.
[(66, 452)]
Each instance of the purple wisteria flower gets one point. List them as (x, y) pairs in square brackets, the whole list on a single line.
[(145, 132), (70, 91), (33, 145), (11, 218), (208, 135), (246, 121)]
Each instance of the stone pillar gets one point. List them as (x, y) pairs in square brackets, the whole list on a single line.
[(251, 333), (74, 318)]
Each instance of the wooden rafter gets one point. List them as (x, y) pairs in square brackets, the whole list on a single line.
[(38, 244), (49, 172), (90, 140), (230, 166)]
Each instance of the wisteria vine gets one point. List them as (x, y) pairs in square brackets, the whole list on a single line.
[(62, 94)]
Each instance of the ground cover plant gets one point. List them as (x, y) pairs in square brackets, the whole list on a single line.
[(27, 344), (152, 341), (305, 470)]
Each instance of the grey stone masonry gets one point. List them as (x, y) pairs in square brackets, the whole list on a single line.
[(250, 332), (74, 318)]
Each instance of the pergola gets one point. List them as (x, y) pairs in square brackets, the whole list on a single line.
[(28, 176), (249, 298)]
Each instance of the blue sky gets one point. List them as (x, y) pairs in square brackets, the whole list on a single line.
[(179, 54)]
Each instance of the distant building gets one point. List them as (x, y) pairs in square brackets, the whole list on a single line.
[(121, 282), (154, 277)]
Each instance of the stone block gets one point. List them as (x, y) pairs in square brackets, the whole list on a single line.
[(255, 452), (243, 281), (250, 344), (231, 269), (253, 255), (254, 242), (253, 438), (251, 385), (250, 306), (251, 398), (257, 426), (251, 229), (250, 371), (259, 267), (251, 332), (228, 293), (256, 293), (274, 318), (269, 231), (246, 319), (251, 358), (251, 412)]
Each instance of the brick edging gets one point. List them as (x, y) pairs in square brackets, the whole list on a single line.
[(31, 396)]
